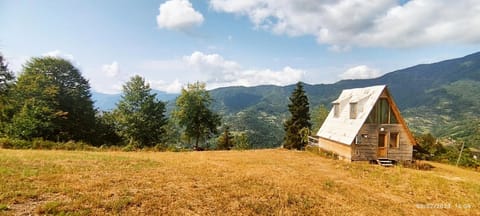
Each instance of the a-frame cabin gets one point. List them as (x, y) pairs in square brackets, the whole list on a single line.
[(365, 124)]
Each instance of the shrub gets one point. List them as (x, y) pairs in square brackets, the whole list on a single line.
[(318, 151), (129, 148), (419, 165), (9, 143), (39, 143)]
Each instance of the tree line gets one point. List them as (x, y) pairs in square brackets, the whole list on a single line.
[(50, 104), (50, 100)]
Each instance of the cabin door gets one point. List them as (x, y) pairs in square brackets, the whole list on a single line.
[(382, 145)]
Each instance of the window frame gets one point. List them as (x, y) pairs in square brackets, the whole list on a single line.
[(353, 110), (396, 143), (336, 110)]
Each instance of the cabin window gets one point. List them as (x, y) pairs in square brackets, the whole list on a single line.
[(382, 113), (336, 110), (372, 118), (394, 140), (353, 110), (393, 118)]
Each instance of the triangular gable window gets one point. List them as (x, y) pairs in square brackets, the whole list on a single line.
[(382, 113)]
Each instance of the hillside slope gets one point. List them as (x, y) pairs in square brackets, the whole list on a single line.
[(432, 97), (412, 87), (442, 98), (266, 182)]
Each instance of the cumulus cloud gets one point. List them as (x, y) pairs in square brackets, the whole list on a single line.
[(221, 72), (215, 70), (360, 72), (60, 54), (107, 78), (213, 64), (169, 87), (346, 23), (178, 15), (111, 70)]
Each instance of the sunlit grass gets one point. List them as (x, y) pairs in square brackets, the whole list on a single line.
[(262, 182)]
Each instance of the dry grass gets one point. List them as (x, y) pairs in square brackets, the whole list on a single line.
[(266, 182)]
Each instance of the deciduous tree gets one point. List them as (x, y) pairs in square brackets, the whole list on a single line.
[(141, 117), (63, 95), (194, 114), (36, 108)]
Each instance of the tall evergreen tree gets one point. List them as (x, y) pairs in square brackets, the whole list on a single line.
[(56, 88), (6, 83), (194, 114), (299, 119), (6, 77), (141, 117)]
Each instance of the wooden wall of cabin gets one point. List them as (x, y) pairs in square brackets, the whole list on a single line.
[(343, 151), (366, 146)]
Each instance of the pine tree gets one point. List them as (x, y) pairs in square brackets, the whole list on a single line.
[(6, 101), (299, 119), (6, 77)]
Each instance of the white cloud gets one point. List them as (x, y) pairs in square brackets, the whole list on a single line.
[(213, 69), (360, 72), (59, 54), (346, 23), (213, 64), (221, 72), (110, 80), (178, 15), (172, 87), (111, 70)]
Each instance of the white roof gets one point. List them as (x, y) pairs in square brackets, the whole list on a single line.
[(343, 129)]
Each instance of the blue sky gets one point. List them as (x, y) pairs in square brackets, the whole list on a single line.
[(231, 42)]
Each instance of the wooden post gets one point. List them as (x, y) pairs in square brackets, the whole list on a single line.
[(461, 150)]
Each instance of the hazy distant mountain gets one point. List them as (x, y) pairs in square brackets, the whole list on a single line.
[(107, 102)]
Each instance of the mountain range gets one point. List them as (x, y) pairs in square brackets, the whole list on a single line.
[(107, 102), (434, 98)]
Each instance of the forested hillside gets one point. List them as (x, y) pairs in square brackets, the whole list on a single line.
[(440, 98)]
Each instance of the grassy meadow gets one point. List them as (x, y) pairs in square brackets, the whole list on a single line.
[(262, 182)]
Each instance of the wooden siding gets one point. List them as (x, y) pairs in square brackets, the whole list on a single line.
[(366, 147), (344, 151)]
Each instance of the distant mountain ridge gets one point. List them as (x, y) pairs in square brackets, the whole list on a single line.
[(430, 96), (404, 84), (107, 102), (433, 97)]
